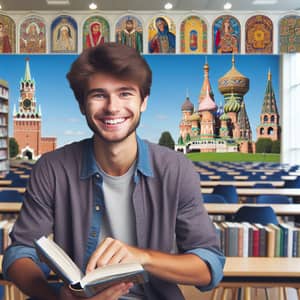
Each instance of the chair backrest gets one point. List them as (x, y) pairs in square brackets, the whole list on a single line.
[(275, 199), (263, 185), (228, 192), (213, 198), (256, 214), (10, 196), (292, 184)]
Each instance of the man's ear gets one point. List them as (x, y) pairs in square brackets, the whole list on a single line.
[(144, 104)]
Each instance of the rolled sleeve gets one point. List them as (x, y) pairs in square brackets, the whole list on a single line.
[(216, 262), (15, 252)]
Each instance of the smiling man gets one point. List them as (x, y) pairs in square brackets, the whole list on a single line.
[(116, 198)]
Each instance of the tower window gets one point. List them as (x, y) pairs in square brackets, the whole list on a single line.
[(262, 131), (265, 118), (270, 131), (272, 119)]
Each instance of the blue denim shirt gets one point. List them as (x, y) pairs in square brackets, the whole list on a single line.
[(212, 256)]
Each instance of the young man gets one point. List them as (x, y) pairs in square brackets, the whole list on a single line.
[(116, 198)]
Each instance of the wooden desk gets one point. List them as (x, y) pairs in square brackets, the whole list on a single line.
[(5, 182), (10, 207), (230, 209), (237, 183), (261, 272), (260, 191), (19, 189)]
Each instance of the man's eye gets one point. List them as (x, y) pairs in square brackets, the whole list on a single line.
[(125, 94), (99, 96)]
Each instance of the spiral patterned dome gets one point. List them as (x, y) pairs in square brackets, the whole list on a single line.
[(232, 105), (233, 80)]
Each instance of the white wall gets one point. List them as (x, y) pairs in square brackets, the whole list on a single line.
[(291, 109)]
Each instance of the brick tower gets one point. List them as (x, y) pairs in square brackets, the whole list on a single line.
[(27, 121), (269, 118)]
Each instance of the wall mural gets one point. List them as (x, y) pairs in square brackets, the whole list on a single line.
[(259, 35), (193, 35), (289, 34), (95, 32), (33, 35), (7, 35), (162, 35), (64, 35), (129, 31), (226, 35)]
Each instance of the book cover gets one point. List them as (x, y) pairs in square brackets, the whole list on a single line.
[(93, 282)]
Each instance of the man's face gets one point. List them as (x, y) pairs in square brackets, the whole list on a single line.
[(129, 26), (112, 107)]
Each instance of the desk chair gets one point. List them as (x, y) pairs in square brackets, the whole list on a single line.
[(275, 199), (292, 184), (213, 198), (259, 186), (228, 192), (10, 196)]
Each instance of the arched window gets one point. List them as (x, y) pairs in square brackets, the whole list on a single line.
[(272, 118), (266, 118), (270, 131), (262, 131)]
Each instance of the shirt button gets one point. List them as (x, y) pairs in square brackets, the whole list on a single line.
[(97, 207), (93, 234), (97, 176)]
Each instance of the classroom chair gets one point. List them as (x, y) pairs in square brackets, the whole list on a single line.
[(274, 199), (213, 198), (228, 192)]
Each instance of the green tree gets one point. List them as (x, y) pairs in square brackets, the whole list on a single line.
[(166, 140), (275, 147), (13, 147), (264, 145), (187, 138)]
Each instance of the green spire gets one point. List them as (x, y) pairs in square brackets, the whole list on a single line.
[(269, 105), (27, 75)]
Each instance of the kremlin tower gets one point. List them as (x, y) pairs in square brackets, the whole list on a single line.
[(269, 118), (27, 121)]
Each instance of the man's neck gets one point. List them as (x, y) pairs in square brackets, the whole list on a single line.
[(115, 159)]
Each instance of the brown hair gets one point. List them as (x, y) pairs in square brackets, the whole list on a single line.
[(117, 60)]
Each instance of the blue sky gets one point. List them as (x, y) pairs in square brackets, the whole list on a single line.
[(173, 75)]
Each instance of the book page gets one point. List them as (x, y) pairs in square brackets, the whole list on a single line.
[(60, 259), (109, 271)]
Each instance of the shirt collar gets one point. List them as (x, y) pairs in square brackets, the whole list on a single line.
[(90, 167)]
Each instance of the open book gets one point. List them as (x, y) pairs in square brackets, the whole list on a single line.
[(93, 282)]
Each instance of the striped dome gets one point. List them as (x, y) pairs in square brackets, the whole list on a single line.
[(187, 105), (232, 105)]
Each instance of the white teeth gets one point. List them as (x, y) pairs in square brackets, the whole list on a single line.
[(114, 121)]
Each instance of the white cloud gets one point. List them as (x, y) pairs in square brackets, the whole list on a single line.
[(161, 117), (74, 133)]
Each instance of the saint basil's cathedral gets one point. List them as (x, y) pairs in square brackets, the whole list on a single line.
[(226, 129)]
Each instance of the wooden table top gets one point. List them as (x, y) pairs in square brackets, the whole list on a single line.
[(228, 208)]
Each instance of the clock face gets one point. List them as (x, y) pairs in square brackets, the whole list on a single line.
[(26, 103)]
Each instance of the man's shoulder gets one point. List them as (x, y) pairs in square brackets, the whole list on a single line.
[(69, 152)]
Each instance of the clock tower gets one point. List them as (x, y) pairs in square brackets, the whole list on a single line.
[(28, 119)]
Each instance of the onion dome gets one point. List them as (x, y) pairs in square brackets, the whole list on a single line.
[(232, 105), (224, 117), (194, 117), (233, 80), (187, 105), (207, 103), (3, 83)]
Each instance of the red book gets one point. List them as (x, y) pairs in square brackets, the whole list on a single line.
[(255, 233)]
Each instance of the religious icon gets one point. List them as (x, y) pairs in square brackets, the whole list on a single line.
[(164, 40), (32, 36), (129, 32)]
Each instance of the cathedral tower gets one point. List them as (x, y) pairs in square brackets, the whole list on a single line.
[(269, 118)]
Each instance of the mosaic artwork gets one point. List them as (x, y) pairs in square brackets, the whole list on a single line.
[(259, 35), (162, 35), (33, 35), (64, 35), (7, 35), (95, 31), (129, 31), (226, 35), (193, 35), (289, 34)]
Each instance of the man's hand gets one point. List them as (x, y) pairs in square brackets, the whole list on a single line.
[(111, 293), (111, 251)]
